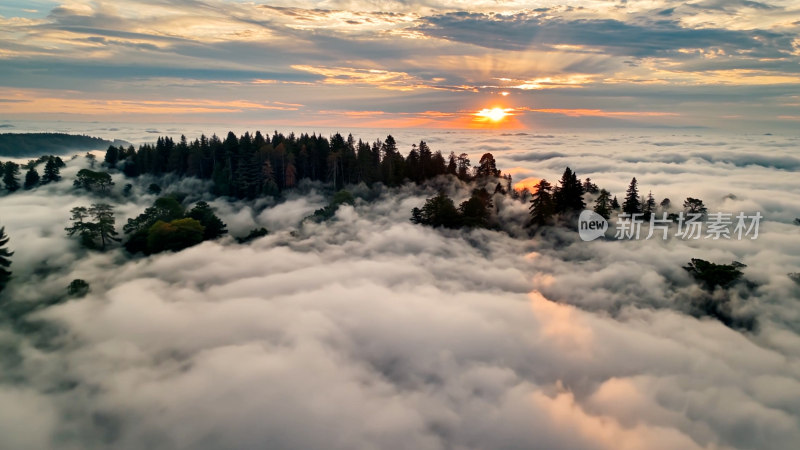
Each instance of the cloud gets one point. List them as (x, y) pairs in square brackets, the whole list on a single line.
[(367, 331)]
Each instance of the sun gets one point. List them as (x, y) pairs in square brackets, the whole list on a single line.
[(495, 114)]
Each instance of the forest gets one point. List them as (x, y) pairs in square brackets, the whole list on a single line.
[(256, 165), (21, 145)]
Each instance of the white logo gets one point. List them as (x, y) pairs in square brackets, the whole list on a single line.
[(591, 225)]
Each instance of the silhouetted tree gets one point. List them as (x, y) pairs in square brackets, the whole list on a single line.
[(665, 204), (31, 178), (476, 211), (93, 181), (615, 203), (590, 187), (542, 206), (602, 205), (712, 275), (632, 205), (103, 216), (438, 211), (5, 259), (649, 206), (694, 206), (91, 158), (568, 196), (11, 176), (487, 167), (51, 171), (112, 156)]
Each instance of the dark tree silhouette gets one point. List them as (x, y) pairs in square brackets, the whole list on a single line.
[(542, 207), (78, 288), (487, 167), (11, 176), (694, 206), (568, 196), (52, 172), (31, 178), (615, 203), (5, 261), (632, 205), (602, 205)]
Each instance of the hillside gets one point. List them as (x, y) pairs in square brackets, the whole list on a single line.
[(18, 145)]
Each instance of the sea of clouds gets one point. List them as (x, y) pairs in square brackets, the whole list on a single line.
[(369, 332)]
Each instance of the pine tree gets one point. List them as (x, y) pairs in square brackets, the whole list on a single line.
[(615, 203), (11, 176), (104, 220), (602, 205), (649, 206), (542, 207), (5, 262), (632, 205), (569, 194), (51, 171), (31, 178)]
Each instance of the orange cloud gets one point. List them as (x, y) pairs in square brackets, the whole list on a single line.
[(581, 112)]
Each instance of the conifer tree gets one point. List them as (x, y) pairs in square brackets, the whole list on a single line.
[(31, 178), (602, 205), (5, 262), (632, 205), (51, 171), (11, 176), (542, 207)]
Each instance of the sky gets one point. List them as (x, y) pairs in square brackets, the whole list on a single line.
[(717, 64)]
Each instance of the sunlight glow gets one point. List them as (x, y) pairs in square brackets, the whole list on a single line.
[(494, 114)]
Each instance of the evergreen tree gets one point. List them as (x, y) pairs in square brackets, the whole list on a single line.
[(569, 194), (11, 176), (590, 187), (632, 205), (615, 203), (51, 171), (463, 166), (91, 158), (542, 207), (81, 226), (487, 167), (31, 178), (665, 204), (5, 262), (214, 227), (103, 216), (112, 156), (439, 211), (602, 205), (78, 288), (649, 206)]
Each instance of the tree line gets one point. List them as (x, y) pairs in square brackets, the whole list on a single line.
[(255, 164)]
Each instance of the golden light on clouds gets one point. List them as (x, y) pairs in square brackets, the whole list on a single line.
[(495, 114)]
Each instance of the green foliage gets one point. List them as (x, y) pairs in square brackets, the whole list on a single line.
[(340, 198), (165, 209), (214, 227), (712, 275), (254, 234), (11, 176), (101, 229), (78, 288), (174, 236), (5, 261), (93, 181), (438, 211)]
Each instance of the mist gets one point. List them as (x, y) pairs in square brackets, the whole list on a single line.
[(367, 331)]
